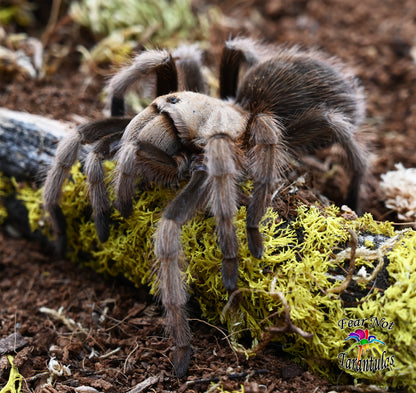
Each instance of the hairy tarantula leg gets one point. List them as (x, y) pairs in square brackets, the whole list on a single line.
[(236, 53), (157, 166), (125, 172), (172, 289), (329, 127), (188, 61), (356, 156), (117, 107), (65, 157), (220, 159), (93, 131), (145, 63), (94, 172), (267, 159), (181, 71)]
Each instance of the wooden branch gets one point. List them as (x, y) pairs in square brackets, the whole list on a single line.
[(28, 143), (27, 148)]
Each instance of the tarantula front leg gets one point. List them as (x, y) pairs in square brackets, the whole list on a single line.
[(267, 159), (188, 61), (159, 63), (95, 175), (65, 157), (172, 289), (237, 53), (180, 70), (151, 164), (221, 159)]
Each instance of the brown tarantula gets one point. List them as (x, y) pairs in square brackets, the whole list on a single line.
[(275, 103)]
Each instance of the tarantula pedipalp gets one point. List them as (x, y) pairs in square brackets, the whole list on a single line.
[(274, 103)]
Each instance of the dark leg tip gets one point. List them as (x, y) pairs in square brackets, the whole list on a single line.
[(125, 208), (353, 203), (181, 360), (353, 197), (59, 224), (102, 224), (60, 246), (255, 242), (230, 273)]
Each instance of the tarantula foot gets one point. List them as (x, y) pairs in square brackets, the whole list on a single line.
[(125, 208), (352, 201), (229, 273), (255, 242), (181, 360), (102, 224), (60, 246), (59, 223)]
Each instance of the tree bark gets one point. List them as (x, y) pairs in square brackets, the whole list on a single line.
[(28, 143), (27, 148)]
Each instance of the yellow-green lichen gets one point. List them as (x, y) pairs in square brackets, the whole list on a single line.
[(14, 384), (299, 259), (5, 190)]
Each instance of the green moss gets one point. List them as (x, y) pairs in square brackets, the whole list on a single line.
[(299, 260)]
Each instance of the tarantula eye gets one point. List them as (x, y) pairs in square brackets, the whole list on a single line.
[(173, 99)]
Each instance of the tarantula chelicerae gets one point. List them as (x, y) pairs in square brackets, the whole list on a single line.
[(274, 103)]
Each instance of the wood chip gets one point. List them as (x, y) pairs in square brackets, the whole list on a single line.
[(144, 385), (12, 343)]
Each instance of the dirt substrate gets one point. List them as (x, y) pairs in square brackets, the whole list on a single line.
[(117, 338)]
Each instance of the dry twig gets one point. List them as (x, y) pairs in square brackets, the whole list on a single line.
[(353, 244)]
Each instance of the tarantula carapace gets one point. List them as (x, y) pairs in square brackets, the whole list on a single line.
[(275, 103)]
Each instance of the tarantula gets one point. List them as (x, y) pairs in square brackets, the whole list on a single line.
[(275, 103)]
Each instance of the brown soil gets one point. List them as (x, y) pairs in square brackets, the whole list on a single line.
[(119, 340)]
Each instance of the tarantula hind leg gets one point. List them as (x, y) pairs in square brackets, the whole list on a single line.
[(356, 157), (172, 289), (266, 161), (332, 126)]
